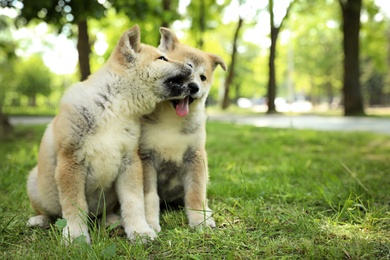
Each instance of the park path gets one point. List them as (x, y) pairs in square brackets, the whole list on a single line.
[(324, 123)]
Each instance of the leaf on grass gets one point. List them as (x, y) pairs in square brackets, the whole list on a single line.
[(80, 240), (114, 225), (60, 223), (110, 251)]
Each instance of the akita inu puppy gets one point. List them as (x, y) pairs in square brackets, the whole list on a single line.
[(88, 158), (173, 137)]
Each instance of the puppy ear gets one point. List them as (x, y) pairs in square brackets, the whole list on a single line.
[(131, 39), (216, 60), (168, 40)]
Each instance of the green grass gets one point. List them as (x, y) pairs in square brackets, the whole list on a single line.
[(275, 194), (30, 111)]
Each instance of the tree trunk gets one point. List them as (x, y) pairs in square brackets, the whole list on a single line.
[(6, 128), (32, 100), (329, 92), (230, 76), (166, 4), (202, 24), (353, 101), (84, 49), (237, 91), (271, 88), (271, 91)]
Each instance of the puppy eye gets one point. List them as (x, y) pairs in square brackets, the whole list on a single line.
[(162, 58), (203, 78)]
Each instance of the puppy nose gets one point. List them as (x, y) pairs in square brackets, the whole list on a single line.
[(194, 88)]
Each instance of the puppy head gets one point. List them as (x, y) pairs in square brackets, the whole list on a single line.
[(202, 63), (148, 69)]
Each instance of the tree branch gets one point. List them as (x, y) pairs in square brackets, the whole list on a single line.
[(287, 12)]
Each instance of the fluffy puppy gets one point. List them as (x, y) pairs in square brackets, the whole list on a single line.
[(173, 137), (88, 158)]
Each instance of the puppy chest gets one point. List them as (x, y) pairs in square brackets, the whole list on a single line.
[(170, 182), (170, 146), (103, 158), (102, 171)]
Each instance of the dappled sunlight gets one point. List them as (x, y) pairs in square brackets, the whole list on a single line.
[(273, 194), (348, 231)]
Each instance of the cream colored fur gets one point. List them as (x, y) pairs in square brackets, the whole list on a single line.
[(172, 148), (88, 158)]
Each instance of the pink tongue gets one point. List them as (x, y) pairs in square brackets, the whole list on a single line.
[(182, 107)]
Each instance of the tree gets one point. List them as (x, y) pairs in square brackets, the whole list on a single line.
[(352, 97), (205, 15), (231, 68), (374, 54), (62, 13), (7, 57), (169, 13), (316, 39), (271, 90), (249, 73), (6, 128), (33, 78)]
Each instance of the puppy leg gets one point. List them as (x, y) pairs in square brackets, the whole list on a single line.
[(152, 200), (195, 200), (40, 220), (112, 219), (129, 185), (70, 178)]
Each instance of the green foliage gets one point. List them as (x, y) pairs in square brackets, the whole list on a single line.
[(374, 44), (317, 49), (57, 13), (207, 16), (276, 193), (33, 77), (7, 45), (314, 42), (7, 57), (251, 72), (375, 55)]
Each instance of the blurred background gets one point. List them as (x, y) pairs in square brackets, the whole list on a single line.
[(283, 56)]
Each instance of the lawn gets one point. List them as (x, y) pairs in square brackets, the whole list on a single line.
[(276, 193)]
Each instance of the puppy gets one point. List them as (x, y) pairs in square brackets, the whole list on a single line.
[(173, 137), (88, 158)]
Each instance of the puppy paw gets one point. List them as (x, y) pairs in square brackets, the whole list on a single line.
[(199, 219), (41, 221), (154, 223), (144, 234), (200, 224), (112, 220), (69, 235), (156, 227)]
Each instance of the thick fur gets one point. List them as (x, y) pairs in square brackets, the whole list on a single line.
[(88, 158), (172, 147)]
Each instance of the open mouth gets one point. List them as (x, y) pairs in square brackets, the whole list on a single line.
[(181, 106)]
